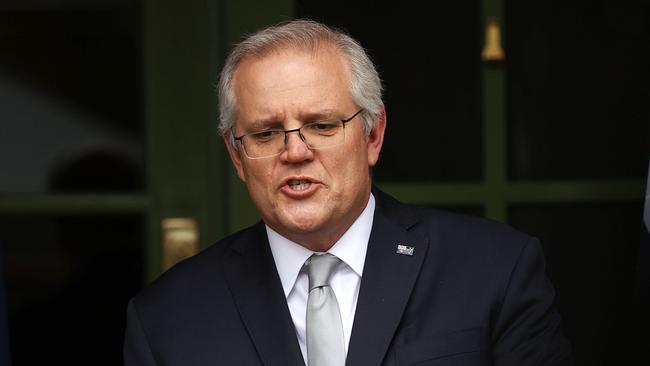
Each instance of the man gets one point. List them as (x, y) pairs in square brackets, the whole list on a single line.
[(338, 272)]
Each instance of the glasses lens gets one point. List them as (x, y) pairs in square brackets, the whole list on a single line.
[(264, 143), (319, 135)]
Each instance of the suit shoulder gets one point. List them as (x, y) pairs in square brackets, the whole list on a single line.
[(475, 240), (201, 271), (470, 236), (471, 227)]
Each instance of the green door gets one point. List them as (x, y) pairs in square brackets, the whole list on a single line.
[(107, 129)]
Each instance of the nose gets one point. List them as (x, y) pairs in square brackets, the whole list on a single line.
[(296, 150)]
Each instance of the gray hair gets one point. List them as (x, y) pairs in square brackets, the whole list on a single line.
[(365, 85)]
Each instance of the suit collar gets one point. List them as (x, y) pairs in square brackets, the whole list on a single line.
[(387, 281), (258, 295), (395, 211)]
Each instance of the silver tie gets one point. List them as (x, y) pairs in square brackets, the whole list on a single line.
[(325, 345)]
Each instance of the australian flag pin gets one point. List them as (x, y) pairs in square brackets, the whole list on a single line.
[(405, 250)]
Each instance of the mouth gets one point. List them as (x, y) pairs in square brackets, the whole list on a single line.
[(299, 184)]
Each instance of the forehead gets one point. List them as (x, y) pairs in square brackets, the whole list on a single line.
[(291, 80)]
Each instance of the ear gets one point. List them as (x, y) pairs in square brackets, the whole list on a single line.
[(235, 157), (376, 138)]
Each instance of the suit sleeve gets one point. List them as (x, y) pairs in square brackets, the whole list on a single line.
[(136, 346), (527, 329)]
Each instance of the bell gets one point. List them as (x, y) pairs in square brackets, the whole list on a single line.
[(492, 51)]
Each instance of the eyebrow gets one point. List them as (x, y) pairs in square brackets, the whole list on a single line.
[(325, 114), (264, 123), (275, 121)]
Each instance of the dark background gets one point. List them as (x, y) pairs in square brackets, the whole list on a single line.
[(72, 121)]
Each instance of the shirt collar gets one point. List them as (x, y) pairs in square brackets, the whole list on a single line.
[(351, 248)]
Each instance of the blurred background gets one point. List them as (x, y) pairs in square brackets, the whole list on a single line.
[(535, 113)]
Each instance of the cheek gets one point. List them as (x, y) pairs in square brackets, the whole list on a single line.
[(258, 176), (354, 166)]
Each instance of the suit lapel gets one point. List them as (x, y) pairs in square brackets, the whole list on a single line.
[(257, 291), (387, 282)]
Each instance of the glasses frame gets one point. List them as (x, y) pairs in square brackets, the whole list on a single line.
[(286, 132)]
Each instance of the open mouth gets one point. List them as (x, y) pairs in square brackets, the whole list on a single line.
[(299, 184)]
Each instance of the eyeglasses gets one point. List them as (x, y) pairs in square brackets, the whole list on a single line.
[(316, 135)]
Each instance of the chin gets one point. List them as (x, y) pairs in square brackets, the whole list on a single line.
[(303, 225)]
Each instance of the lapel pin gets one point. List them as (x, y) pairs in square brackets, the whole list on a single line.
[(405, 250)]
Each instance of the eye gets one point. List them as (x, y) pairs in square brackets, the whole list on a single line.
[(265, 136), (322, 128)]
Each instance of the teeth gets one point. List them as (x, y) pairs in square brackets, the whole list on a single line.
[(299, 185)]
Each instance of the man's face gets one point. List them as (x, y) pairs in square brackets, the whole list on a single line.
[(309, 196)]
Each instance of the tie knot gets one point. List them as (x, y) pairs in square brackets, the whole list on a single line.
[(320, 268)]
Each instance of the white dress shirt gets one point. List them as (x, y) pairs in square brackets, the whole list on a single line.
[(345, 281)]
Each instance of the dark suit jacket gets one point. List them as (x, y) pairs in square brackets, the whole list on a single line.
[(474, 292)]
